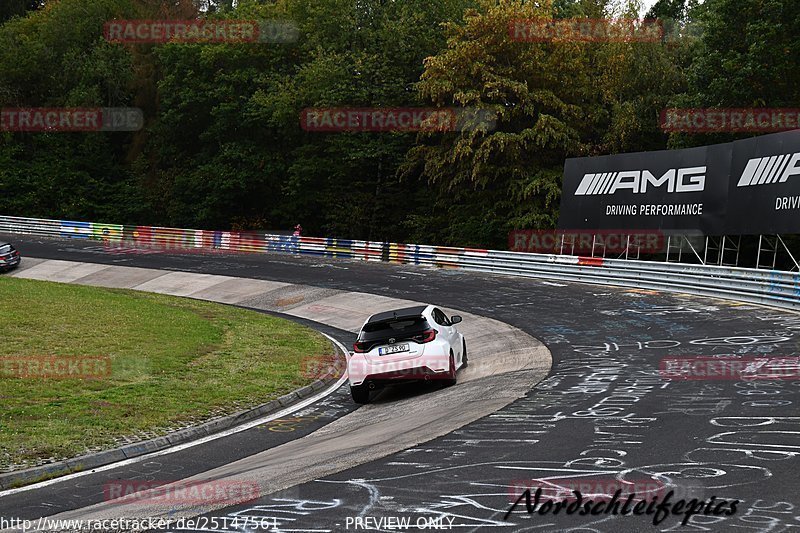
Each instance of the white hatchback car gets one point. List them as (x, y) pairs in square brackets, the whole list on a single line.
[(415, 343)]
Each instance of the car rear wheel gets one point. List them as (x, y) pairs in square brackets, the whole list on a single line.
[(452, 377), (360, 393), (464, 354)]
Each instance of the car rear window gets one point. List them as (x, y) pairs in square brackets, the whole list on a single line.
[(400, 328), (5, 248)]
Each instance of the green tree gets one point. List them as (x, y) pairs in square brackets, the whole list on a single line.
[(553, 100), (746, 56), (18, 8), (56, 57), (228, 141)]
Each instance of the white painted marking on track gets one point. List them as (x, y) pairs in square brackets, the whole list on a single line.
[(186, 445), (530, 441)]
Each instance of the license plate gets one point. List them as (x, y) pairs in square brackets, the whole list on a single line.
[(397, 348)]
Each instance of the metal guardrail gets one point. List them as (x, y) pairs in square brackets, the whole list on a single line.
[(768, 287)]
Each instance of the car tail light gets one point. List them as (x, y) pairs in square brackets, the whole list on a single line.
[(360, 347), (426, 336)]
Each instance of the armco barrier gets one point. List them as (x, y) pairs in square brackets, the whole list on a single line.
[(768, 287)]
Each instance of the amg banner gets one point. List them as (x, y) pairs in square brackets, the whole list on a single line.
[(746, 187), (764, 196), (672, 190)]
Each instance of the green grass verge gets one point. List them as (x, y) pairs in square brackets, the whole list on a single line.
[(173, 360)]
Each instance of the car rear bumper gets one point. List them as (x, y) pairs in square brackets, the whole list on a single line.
[(361, 370), (9, 264)]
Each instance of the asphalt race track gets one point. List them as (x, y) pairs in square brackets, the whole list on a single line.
[(603, 416)]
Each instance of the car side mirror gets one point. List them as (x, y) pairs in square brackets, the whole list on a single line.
[(455, 319)]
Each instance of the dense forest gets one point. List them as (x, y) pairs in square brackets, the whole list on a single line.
[(223, 147)]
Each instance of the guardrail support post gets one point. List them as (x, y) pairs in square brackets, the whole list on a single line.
[(796, 265)]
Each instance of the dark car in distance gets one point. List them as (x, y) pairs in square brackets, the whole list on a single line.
[(9, 256)]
